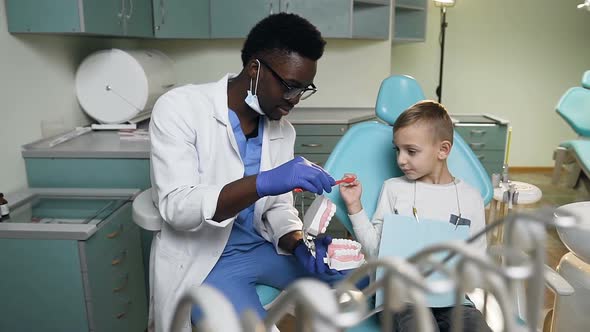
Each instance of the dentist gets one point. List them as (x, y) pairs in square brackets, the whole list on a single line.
[(223, 172)]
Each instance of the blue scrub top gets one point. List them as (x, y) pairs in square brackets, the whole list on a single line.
[(243, 236)]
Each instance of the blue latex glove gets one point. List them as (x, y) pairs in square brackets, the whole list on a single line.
[(296, 173), (315, 265)]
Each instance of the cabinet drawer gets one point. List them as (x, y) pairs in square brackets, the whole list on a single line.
[(483, 137), (493, 167), (317, 158), (315, 144), (320, 130), (490, 156)]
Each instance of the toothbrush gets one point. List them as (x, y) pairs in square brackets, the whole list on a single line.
[(348, 179)]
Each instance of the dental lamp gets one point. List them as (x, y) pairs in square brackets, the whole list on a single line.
[(443, 4)]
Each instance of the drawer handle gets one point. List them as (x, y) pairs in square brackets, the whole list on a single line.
[(311, 145), (477, 132), (481, 157), (124, 313), (477, 145), (115, 233), (120, 259), (123, 285)]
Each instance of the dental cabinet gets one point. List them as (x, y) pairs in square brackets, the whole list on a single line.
[(486, 135), (71, 261)]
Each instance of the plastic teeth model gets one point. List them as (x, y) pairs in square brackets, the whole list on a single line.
[(318, 215), (344, 254)]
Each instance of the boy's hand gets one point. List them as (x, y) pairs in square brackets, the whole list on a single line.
[(351, 195)]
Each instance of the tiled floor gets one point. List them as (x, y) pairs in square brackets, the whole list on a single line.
[(554, 196)]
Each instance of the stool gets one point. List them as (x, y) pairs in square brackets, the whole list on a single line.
[(523, 193)]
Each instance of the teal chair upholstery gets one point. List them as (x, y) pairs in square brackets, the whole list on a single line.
[(366, 149), (574, 108), (586, 79)]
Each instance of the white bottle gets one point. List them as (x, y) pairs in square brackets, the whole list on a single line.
[(4, 211)]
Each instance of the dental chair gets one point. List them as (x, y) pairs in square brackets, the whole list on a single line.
[(366, 149), (574, 108), (147, 216)]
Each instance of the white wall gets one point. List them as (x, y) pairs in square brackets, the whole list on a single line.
[(512, 58), (349, 73)]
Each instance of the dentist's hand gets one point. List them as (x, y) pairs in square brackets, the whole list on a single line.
[(314, 265), (296, 173)]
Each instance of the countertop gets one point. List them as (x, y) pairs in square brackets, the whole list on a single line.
[(108, 144)]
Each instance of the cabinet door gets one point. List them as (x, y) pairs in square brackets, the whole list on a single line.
[(103, 17), (44, 16), (181, 18), (138, 18), (331, 17), (234, 19)]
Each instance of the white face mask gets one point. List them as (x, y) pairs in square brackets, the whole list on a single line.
[(252, 99)]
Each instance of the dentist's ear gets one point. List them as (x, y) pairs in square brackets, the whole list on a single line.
[(444, 150), (253, 68)]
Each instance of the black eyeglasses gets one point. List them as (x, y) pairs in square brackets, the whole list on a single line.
[(292, 92)]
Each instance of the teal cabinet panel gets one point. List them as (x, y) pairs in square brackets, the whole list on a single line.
[(334, 18), (370, 19), (59, 16), (409, 20), (331, 17), (131, 18), (415, 4), (181, 18), (233, 19), (88, 173), (115, 275), (103, 17), (138, 18), (316, 158), (483, 137), (322, 129), (486, 136), (41, 286), (315, 144)]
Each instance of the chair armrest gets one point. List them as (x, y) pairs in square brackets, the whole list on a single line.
[(557, 283)]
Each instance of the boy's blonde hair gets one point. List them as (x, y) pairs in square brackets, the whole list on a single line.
[(431, 113)]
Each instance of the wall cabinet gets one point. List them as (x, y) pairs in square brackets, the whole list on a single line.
[(362, 19), (409, 20), (334, 18), (181, 18), (131, 18)]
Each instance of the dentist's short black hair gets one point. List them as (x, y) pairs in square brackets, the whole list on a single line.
[(283, 33)]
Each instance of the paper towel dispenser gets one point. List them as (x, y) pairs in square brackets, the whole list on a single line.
[(116, 86)]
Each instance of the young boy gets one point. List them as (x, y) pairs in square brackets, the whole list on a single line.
[(423, 137)]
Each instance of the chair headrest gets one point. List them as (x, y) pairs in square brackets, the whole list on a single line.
[(396, 94), (586, 79)]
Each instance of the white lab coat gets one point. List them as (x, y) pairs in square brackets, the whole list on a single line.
[(193, 156)]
